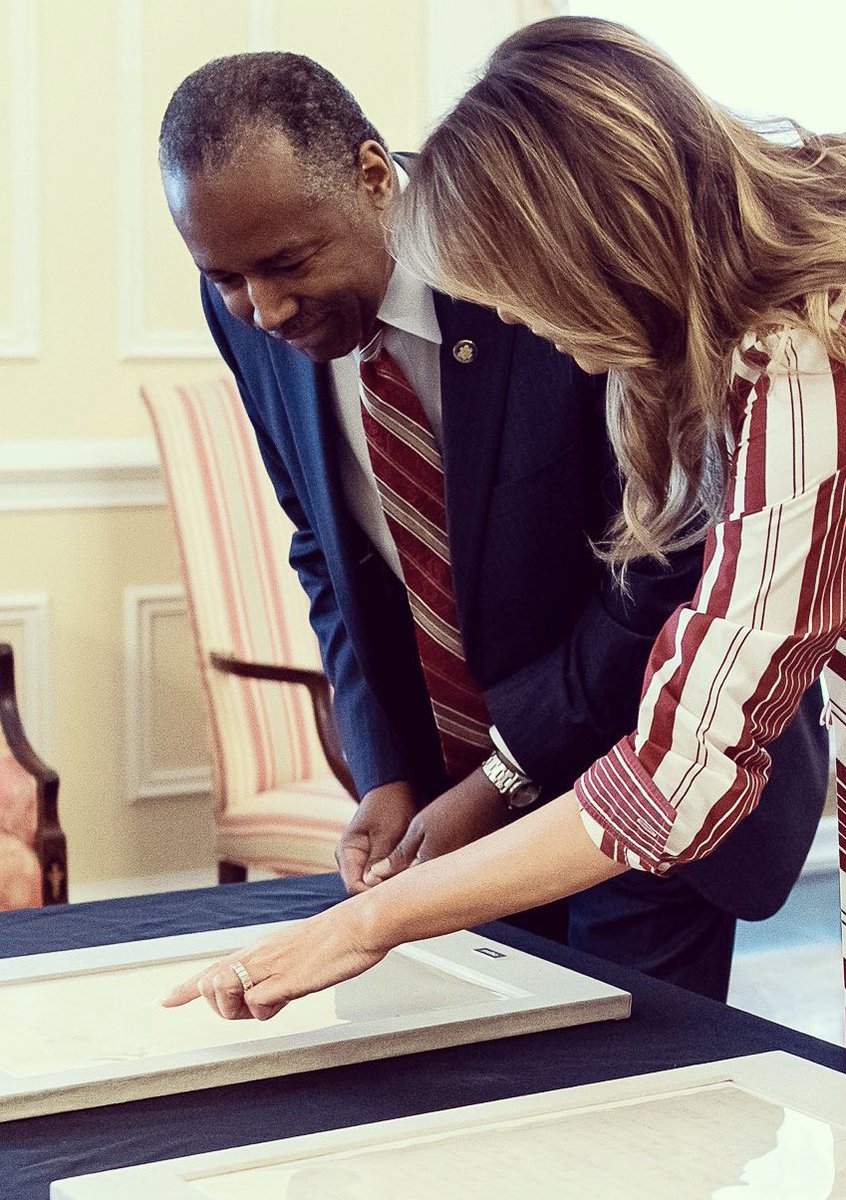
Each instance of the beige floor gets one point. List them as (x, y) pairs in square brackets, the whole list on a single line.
[(798, 986)]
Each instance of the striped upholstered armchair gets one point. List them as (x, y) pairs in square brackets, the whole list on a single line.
[(33, 857), (282, 791)]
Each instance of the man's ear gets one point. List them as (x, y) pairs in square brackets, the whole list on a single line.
[(376, 174)]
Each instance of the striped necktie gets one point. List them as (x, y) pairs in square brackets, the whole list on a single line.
[(409, 476)]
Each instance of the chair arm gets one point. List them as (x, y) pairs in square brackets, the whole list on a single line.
[(321, 703), (50, 844)]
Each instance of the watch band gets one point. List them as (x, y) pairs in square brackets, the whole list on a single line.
[(516, 789)]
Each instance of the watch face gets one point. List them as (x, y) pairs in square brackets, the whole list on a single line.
[(524, 795)]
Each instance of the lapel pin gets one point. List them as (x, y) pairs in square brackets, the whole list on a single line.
[(464, 351)]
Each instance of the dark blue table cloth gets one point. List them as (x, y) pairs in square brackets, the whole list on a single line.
[(668, 1028)]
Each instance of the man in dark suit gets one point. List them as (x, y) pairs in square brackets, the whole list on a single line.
[(279, 186)]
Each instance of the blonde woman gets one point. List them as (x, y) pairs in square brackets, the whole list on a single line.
[(586, 188)]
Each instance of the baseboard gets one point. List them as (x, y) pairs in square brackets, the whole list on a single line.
[(142, 885), (145, 885)]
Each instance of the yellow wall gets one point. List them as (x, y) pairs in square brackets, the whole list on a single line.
[(84, 560), (97, 294), (104, 70)]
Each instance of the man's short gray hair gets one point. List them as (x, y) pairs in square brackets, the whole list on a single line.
[(219, 105)]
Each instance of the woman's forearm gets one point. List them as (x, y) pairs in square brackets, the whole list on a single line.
[(541, 857), (544, 855)]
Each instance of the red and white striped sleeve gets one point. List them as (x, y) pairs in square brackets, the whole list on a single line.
[(728, 671)]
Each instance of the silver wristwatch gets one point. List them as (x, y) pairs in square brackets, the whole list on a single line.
[(516, 789)]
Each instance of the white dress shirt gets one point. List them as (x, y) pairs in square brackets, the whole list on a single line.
[(413, 337)]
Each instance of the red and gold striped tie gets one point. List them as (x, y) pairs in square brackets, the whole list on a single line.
[(410, 478)]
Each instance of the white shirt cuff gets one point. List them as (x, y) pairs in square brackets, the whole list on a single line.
[(499, 744)]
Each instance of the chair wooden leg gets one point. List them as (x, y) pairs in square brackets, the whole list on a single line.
[(230, 872)]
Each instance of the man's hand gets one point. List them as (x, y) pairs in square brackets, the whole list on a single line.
[(466, 812), (382, 819)]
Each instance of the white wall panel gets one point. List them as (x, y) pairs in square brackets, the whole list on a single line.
[(154, 716), (20, 319), (160, 315)]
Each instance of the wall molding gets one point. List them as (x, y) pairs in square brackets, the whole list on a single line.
[(29, 612), (146, 780), (20, 337), (262, 25), (137, 340), (80, 473), (147, 885), (141, 885)]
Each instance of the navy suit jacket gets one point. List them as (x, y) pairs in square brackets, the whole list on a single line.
[(557, 650)]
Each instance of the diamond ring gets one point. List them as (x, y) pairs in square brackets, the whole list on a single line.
[(243, 975)]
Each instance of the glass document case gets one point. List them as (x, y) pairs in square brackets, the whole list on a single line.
[(82, 1027), (766, 1127)]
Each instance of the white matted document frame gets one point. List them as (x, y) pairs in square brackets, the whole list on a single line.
[(766, 1127), (80, 1028)]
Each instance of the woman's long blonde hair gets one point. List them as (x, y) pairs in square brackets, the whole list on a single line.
[(585, 184)]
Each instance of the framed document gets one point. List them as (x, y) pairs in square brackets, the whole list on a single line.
[(82, 1027), (765, 1127)]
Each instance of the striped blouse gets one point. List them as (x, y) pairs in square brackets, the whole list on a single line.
[(729, 669)]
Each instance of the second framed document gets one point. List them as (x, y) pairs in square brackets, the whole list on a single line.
[(766, 1127)]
